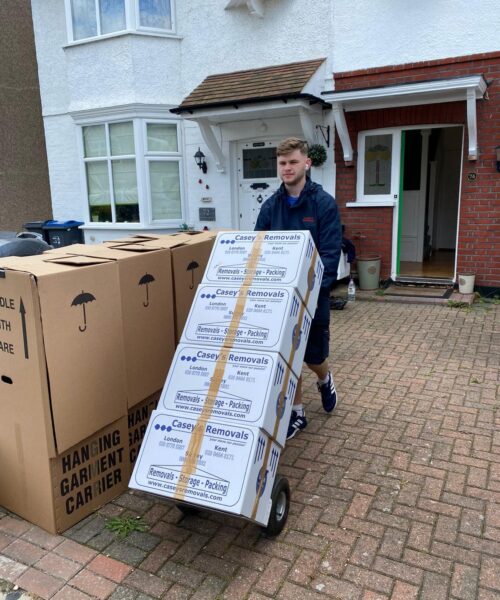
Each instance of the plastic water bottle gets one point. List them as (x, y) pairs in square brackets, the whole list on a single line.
[(351, 291)]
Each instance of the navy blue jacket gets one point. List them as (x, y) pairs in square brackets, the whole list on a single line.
[(315, 211)]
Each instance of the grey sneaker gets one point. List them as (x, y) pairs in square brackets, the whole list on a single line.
[(297, 423)]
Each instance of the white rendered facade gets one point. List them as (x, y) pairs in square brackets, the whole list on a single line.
[(137, 76)]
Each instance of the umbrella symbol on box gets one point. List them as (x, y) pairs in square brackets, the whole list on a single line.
[(82, 300), (146, 280), (191, 267)]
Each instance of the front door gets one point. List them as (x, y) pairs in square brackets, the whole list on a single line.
[(257, 179)]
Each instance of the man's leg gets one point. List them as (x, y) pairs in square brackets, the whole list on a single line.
[(298, 419), (326, 385)]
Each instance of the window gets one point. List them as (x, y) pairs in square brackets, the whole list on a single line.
[(378, 165), (133, 172), (95, 18)]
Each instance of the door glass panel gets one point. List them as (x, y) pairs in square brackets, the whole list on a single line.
[(378, 162), (259, 163)]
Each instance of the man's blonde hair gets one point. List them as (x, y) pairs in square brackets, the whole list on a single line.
[(290, 144)]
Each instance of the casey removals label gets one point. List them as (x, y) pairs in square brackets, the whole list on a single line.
[(254, 389), (229, 460)]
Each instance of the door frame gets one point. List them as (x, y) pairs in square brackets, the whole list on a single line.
[(238, 154), (398, 163)]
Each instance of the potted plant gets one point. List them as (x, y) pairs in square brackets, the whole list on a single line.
[(317, 154)]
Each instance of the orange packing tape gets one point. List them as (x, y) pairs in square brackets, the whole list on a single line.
[(192, 453)]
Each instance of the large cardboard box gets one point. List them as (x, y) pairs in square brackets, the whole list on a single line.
[(138, 419), (61, 350), (273, 319), (189, 255), (147, 306), (234, 470), (189, 261), (286, 258), (256, 388)]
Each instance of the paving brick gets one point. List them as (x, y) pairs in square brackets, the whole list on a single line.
[(464, 582), (69, 593), (93, 584), (56, 565), (12, 526), (148, 583), (393, 543), (368, 579), (11, 570), (490, 573), (75, 551), (39, 583), (109, 568), (404, 591), (24, 552), (210, 589), (273, 576), (240, 584), (435, 587), (156, 559), (38, 536)]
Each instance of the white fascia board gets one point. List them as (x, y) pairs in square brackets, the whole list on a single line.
[(248, 112), (316, 83), (127, 111), (426, 92)]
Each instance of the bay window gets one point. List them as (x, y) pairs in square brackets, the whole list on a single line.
[(133, 172), (89, 19)]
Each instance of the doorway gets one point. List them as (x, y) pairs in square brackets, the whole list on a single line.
[(257, 179), (429, 201)]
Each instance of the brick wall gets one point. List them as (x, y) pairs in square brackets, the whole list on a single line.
[(479, 225)]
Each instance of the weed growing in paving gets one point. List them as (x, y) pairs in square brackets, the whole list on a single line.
[(122, 526)]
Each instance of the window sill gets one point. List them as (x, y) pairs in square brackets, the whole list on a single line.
[(108, 36), (89, 226), (365, 204)]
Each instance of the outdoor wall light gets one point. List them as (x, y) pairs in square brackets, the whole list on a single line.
[(199, 157), (497, 150)]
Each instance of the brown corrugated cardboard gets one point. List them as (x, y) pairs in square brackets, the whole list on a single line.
[(147, 302), (189, 261), (62, 346), (138, 419)]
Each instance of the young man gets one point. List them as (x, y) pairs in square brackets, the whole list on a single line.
[(301, 204)]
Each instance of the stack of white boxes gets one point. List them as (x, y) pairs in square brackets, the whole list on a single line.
[(222, 419)]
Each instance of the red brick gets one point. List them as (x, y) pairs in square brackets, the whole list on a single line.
[(147, 583), (12, 526), (56, 565), (93, 584), (490, 573), (404, 591), (74, 551), (39, 583), (109, 568), (24, 552)]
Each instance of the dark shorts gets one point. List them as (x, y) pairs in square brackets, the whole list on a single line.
[(318, 344)]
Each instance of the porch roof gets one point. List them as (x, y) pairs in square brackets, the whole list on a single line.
[(469, 89), (278, 82), (292, 89)]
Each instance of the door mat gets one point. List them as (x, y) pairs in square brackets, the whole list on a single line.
[(410, 291)]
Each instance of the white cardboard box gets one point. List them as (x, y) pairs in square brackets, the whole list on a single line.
[(232, 461), (257, 388), (274, 319), (286, 258)]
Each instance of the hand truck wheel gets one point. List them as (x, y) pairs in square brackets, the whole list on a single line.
[(280, 498), (187, 510)]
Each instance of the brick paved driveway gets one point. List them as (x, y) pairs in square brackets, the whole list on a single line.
[(395, 495)]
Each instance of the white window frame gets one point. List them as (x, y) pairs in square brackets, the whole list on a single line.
[(132, 23), (142, 158), (379, 199), (150, 156)]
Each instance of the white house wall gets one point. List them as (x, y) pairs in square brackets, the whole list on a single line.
[(372, 34), (139, 69)]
